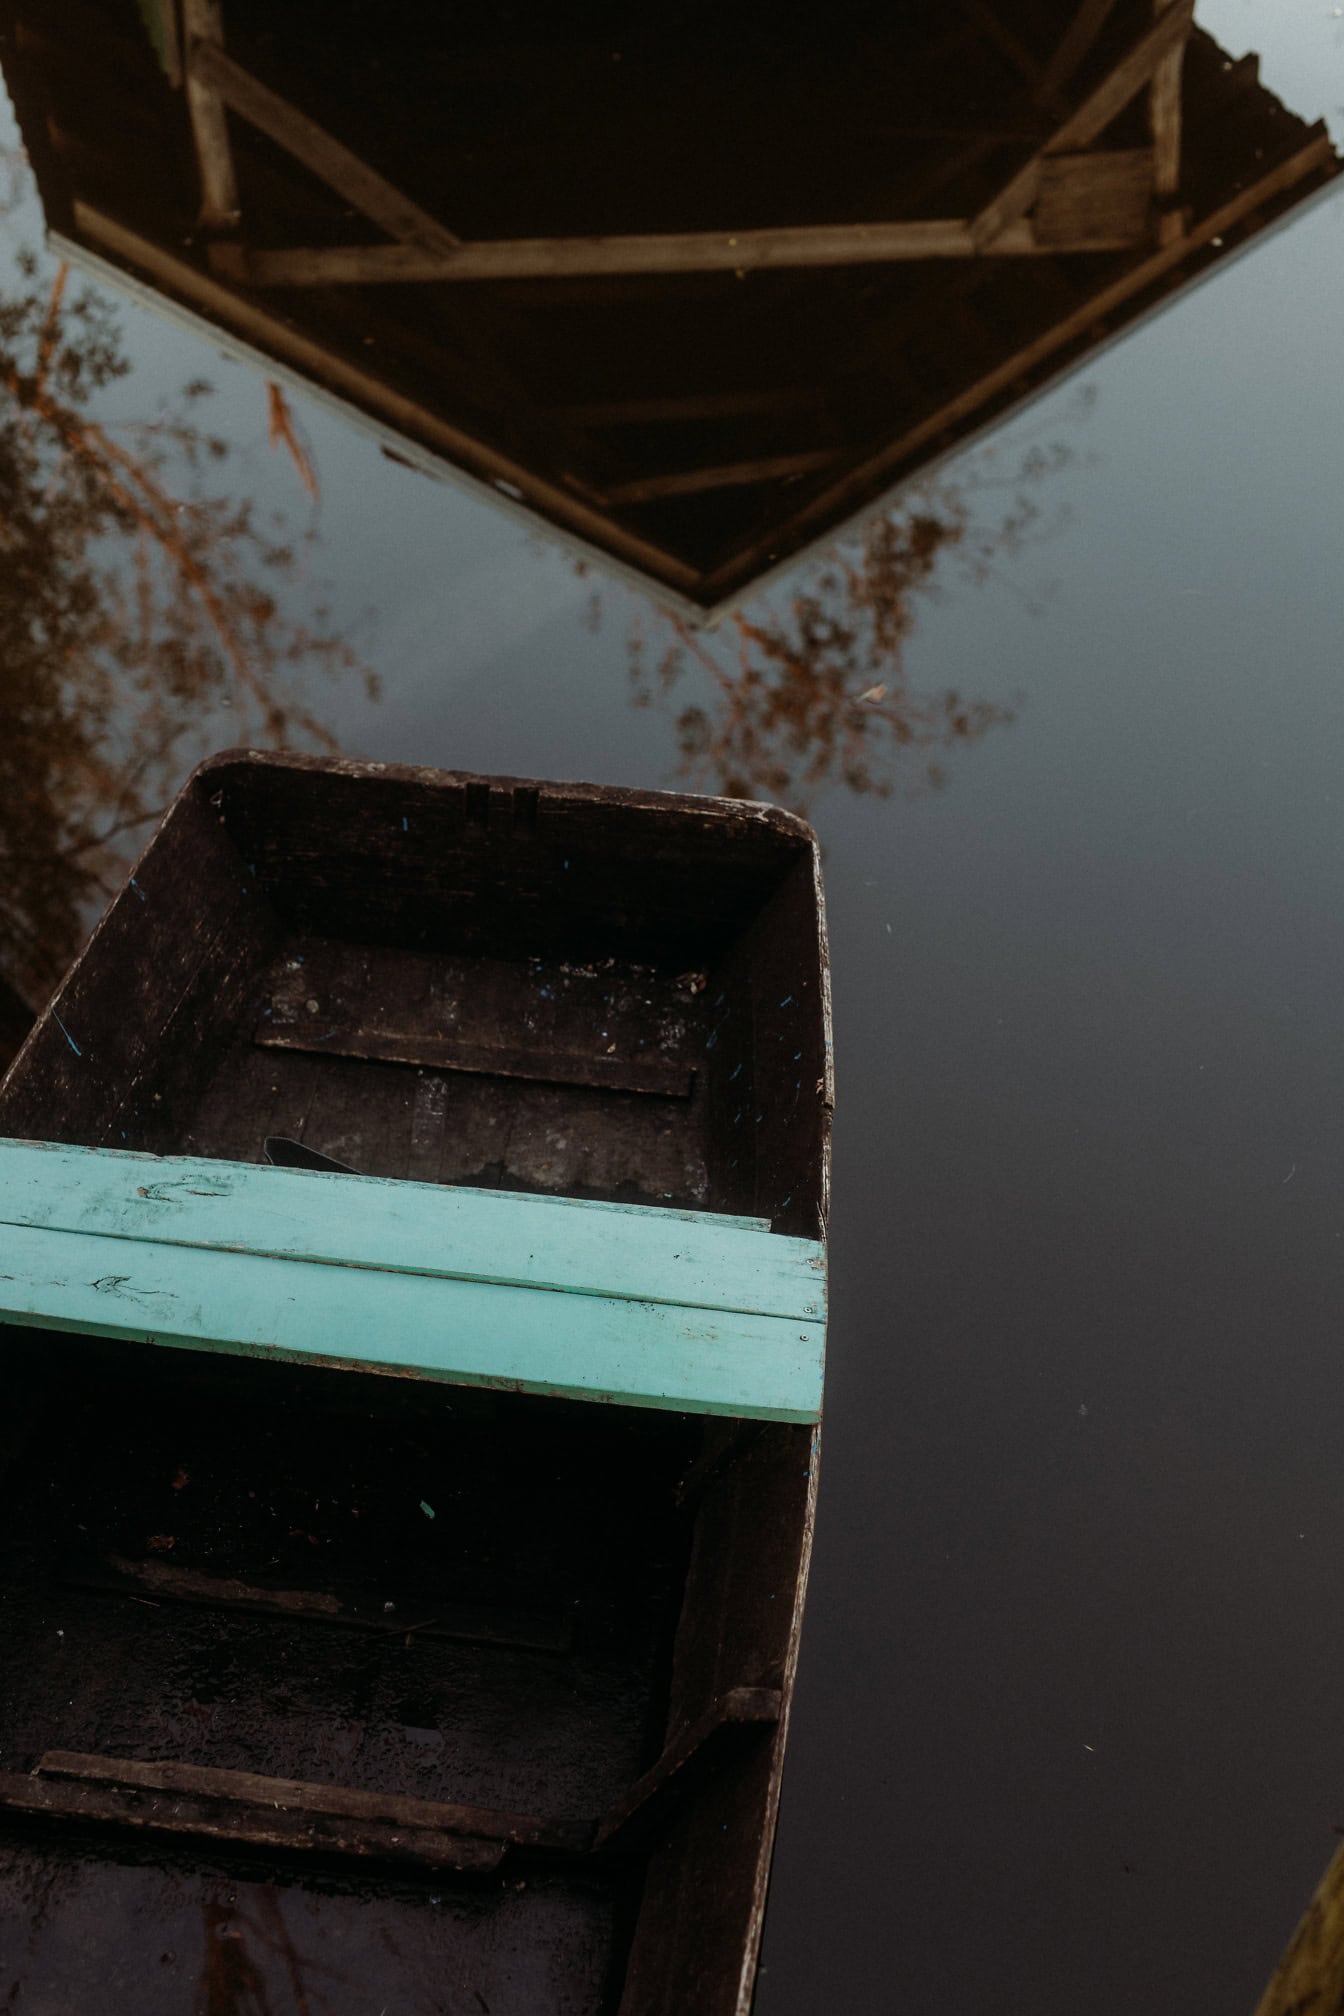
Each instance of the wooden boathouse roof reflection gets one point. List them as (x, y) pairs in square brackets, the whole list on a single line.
[(693, 288)]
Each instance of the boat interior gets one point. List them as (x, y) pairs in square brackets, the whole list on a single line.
[(457, 980), (465, 1662), (506, 1676)]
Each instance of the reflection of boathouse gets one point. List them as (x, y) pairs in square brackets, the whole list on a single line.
[(693, 286)]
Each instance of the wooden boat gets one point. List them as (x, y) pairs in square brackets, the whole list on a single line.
[(463, 1689)]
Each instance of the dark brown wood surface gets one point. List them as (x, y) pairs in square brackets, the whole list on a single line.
[(16, 1019), (491, 1603), (607, 994)]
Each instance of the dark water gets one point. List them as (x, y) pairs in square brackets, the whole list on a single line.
[(1067, 1734)]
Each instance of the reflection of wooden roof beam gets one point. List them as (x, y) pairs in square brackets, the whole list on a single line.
[(665, 252), (383, 204), (380, 201), (727, 476), (1082, 196), (1074, 44), (209, 127), (857, 486), (325, 367), (311, 144), (1095, 113), (679, 406), (1164, 118), (1018, 56), (1078, 38)]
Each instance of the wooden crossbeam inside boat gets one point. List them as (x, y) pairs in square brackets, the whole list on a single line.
[(243, 1807), (480, 1623), (495, 1060), (698, 1748)]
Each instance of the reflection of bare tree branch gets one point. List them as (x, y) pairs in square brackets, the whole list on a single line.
[(282, 432), (136, 599), (799, 695), (51, 324), (132, 483)]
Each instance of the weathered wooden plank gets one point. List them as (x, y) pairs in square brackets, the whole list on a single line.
[(739, 1629), (1092, 117), (274, 1813), (210, 69), (736, 1626), (614, 1025), (1164, 119), (780, 248), (694, 1750), (571, 1245), (393, 1811), (640, 1354), (720, 476), (240, 1823), (478, 1623), (83, 1065), (1095, 194), (1309, 1980), (203, 22), (496, 1060)]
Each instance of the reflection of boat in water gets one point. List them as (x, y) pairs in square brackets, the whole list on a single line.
[(474, 1679)]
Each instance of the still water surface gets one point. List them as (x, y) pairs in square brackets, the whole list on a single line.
[(1067, 1733)]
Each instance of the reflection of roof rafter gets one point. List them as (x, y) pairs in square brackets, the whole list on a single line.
[(936, 211), (1084, 202), (688, 251), (1093, 116), (1164, 118), (209, 127), (690, 482), (209, 66), (304, 355), (851, 488), (217, 81)]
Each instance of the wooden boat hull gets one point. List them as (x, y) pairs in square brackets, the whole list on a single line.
[(332, 1685)]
